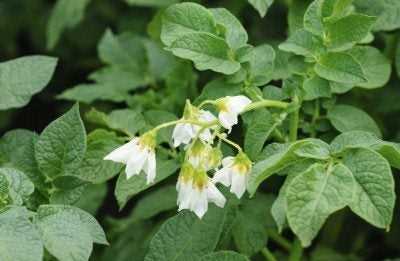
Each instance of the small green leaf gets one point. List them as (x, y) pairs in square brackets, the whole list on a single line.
[(125, 189), (235, 34), (272, 164), (315, 88), (314, 149), (261, 60), (62, 145), (22, 78), (374, 192), (261, 6), (303, 43), (20, 240), (313, 18), (207, 51), (19, 186), (225, 256), (186, 18), (315, 194), (375, 65), (347, 31), (387, 11), (340, 67), (66, 14), (348, 118)]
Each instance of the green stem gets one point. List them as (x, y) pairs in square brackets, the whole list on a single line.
[(171, 123), (314, 119), (294, 121), (266, 103), (296, 252), (280, 240), (268, 255), (233, 144)]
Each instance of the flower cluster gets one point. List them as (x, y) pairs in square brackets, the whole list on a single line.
[(197, 132)]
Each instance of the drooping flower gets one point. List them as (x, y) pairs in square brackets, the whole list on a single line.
[(198, 154), (234, 173), (137, 155), (184, 132), (229, 109), (195, 191)]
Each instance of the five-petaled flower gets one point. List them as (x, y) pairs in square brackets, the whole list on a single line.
[(229, 109), (138, 154), (195, 190), (234, 173)]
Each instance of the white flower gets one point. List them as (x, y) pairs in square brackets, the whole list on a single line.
[(137, 155), (184, 132), (234, 173), (195, 190), (229, 109)]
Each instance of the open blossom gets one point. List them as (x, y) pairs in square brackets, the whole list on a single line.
[(184, 132), (195, 190), (137, 155), (229, 109), (234, 173)]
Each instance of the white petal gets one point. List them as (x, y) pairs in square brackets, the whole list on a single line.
[(206, 136), (238, 186), (123, 153), (227, 119), (135, 163), (238, 103), (206, 116), (215, 196), (150, 167), (223, 176), (194, 160), (182, 134), (228, 161), (184, 195), (199, 202)]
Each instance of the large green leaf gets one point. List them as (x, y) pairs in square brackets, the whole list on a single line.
[(62, 145), (207, 51), (304, 43), (125, 189), (348, 118), (65, 15), (313, 19), (19, 186), (340, 67), (387, 11), (186, 237), (181, 19), (314, 195), (374, 196), (22, 78), (20, 240)]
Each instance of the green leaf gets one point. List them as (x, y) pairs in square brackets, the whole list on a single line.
[(160, 200), (340, 67), (68, 233), (261, 6), (235, 34), (313, 18), (125, 189), (224, 256), (272, 164), (260, 125), (93, 168), (20, 241), (62, 145), (207, 51), (314, 149), (186, 237), (17, 149), (261, 60), (151, 3), (348, 118), (127, 121), (186, 18), (66, 14), (374, 197), (304, 43), (387, 12), (218, 88), (250, 227), (95, 195), (376, 66), (155, 118), (67, 190), (19, 186), (316, 87), (22, 78), (347, 31), (314, 195)]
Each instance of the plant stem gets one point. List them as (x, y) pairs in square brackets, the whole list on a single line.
[(280, 240), (314, 119), (233, 144), (296, 251), (294, 121), (266, 103), (268, 255)]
